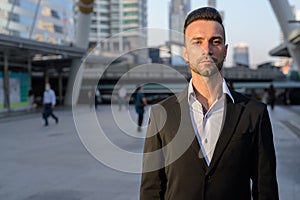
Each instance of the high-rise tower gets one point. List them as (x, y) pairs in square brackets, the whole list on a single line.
[(241, 54), (111, 17), (212, 3), (178, 11)]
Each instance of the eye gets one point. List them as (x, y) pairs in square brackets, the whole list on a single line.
[(216, 42), (196, 43)]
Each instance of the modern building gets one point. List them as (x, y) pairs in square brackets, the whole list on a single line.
[(241, 54), (43, 20), (117, 25), (178, 11), (212, 3)]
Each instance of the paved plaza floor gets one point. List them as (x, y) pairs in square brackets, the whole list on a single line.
[(66, 161)]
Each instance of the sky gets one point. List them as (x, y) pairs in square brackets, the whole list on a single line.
[(251, 22)]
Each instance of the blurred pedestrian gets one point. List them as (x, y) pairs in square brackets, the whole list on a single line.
[(49, 102), (122, 94), (98, 99), (271, 98), (140, 102), (90, 98), (31, 98)]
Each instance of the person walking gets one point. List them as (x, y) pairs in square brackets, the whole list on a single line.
[(90, 98), (208, 142), (97, 97), (49, 102), (271, 96), (140, 102), (122, 94), (31, 98)]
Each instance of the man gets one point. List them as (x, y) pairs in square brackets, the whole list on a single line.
[(208, 142), (49, 102)]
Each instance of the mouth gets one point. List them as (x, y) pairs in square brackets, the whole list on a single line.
[(207, 62)]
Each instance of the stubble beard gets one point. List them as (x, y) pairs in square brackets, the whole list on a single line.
[(207, 69)]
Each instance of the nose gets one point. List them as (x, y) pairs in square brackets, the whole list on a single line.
[(206, 47)]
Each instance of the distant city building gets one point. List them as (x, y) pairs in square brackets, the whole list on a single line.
[(212, 3), (178, 11), (241, 54), (47, 20), (154, 55), (111, 17)]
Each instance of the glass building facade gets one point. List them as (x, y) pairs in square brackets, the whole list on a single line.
[(43, 20)]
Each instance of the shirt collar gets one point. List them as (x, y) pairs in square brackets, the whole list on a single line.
[(224, 87)]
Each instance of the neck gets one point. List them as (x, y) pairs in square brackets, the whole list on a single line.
[(207, 89)]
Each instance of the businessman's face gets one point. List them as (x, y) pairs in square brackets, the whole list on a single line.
[(204, 48)]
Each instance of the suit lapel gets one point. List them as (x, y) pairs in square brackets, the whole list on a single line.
[(232, 116), (187, 127)]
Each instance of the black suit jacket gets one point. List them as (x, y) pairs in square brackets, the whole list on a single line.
[(173, 165)]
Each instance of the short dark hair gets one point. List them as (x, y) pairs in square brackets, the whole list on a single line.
[(204, 13)]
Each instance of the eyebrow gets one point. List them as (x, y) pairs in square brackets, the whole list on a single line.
[(212, 38)]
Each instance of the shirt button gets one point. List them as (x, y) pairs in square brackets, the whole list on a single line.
[(205, 140)]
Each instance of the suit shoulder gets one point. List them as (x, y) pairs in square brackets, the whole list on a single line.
[(170, 100), (248, 102), (167, 104)]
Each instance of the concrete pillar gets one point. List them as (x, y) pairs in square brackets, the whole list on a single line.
[(85, 8), (29, 68), (46, 76), (6, 83), (284, 14), (60, 87)]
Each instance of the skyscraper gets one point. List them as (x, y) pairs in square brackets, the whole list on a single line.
[(178, 11), (112, 17), (241, 54), (43, 20), (212, 3)]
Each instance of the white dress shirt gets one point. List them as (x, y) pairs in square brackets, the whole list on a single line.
[(49, 97), (207, 125)]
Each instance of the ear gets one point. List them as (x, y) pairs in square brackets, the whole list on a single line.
[(225, 51), (184, 54)]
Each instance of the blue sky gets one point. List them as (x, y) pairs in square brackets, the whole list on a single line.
[(252, 22)]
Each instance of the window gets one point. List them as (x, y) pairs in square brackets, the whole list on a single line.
[(54, 14), (104, 31), (16, 2), (14, 17), (132, 21), (104, 6), (104, 22), (131, 5), (58, 29), (104, 14), (132, 13)]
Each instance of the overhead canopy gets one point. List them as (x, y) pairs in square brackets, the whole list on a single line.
[(294, 36), (282, 50), (20, 51)]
